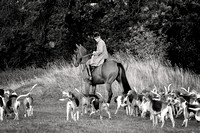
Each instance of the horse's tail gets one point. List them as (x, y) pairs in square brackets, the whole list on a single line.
[(123, 78)]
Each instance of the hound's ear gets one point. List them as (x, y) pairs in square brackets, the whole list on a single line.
[(165, 90), (188, 89)]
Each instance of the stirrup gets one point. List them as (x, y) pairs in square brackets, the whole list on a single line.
[(90, 78)]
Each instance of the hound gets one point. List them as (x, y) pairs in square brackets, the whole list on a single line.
[(145, 102), (98, 105), (137, 104), (179, 102), (2, 92), (72, 105), (13, 103), (145, 107), (7, 93), (131, 101), (187, 109), (85, 101), (28, 106), (2, 104), (195, 109), (189, 98), (160, 107), (120, 102)]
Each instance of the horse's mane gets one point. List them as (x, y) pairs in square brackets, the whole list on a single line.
[(83, 50)]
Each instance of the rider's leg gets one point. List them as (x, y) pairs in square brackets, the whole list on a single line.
[(88, 68)]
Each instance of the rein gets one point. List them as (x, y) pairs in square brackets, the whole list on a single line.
[(82, 67), (86, 55)]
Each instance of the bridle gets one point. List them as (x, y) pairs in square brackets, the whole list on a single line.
[(86, 55), (81, 56)]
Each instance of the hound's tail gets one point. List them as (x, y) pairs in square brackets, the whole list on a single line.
[(79, 92), (25, 95), (101, 96), (195, 109), (64, 99)]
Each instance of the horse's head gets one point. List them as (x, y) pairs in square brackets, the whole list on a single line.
[(79, 54)]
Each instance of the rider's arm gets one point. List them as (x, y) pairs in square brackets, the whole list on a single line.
[(99, 48)]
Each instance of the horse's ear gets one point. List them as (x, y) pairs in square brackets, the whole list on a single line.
[(77, 46)]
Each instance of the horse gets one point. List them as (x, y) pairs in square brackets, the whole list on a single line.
[(106, 73)]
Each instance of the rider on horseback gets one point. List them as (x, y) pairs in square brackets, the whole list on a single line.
[(99, 55)]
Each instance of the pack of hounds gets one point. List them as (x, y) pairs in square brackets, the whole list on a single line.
[(10, 103), (159, 104)]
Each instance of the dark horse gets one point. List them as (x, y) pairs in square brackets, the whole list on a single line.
[(106, 73)]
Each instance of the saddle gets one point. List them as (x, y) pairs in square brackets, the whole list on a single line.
[(92, 68)]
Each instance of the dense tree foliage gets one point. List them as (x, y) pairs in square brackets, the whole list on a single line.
[(35, 32)]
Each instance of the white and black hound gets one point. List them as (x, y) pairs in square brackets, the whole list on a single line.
[(13, 103), (120, 102), (28, 106), (85, 101), (98, 105), (72, 105), (160, 107), (187, 109), (131, 102), (93, 101), (128, 101), (2, 104)]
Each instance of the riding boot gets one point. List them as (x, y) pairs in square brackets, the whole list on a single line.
[(89, 72)]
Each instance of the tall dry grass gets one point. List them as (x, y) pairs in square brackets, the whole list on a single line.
[(62, 76), (146, 75)]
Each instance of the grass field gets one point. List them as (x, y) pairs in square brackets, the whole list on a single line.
[(49, 117), (49, 112)]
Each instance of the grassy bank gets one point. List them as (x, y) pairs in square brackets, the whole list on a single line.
[(62, 76)]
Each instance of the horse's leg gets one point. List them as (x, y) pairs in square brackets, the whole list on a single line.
[(110, 93), (93, 89), (119, 80), (87, 88)]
